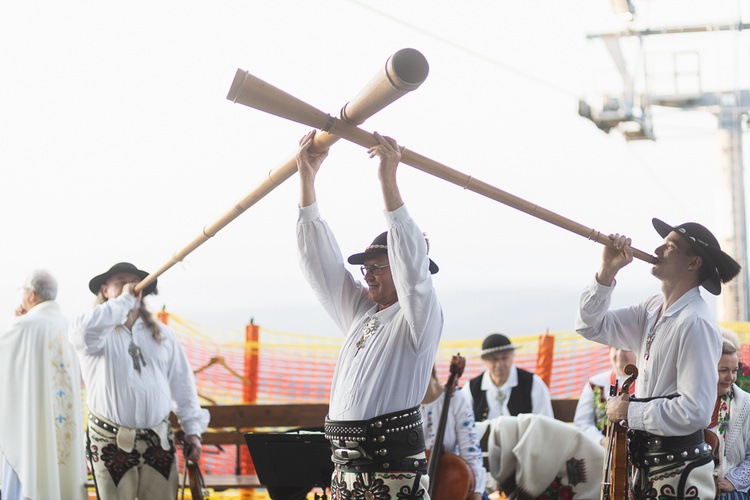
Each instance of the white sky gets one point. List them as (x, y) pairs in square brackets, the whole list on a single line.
[(117, 143)]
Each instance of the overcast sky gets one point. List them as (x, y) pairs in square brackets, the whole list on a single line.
[(117, 143)]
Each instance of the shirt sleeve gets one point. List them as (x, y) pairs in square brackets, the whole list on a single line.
[(617, 328), (88, 331), (410, 268), (193, 419), (323, 267), (584, 418), (467, 438), (541, 402)]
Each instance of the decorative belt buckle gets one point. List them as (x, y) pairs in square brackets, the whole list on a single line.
[(346, 454)]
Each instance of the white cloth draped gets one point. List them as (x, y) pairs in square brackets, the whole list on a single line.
[(41, 422), (537, 450)]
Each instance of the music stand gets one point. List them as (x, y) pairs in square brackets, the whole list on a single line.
[(290, 464)]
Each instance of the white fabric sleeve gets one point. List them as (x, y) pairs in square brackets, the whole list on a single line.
[(88, 331), (584, 418), (322, 265), (193, 419), (467, 439)]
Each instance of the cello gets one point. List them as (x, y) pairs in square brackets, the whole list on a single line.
[(451, 477), (615, 475)]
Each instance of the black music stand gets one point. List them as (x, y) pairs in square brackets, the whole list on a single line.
[(290, 464)]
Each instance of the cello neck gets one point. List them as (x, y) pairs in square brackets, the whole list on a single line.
[(457, 368)]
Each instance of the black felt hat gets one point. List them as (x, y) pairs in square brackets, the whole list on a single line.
[(496, 342), (122, 267), (721, 267), (380, 245)]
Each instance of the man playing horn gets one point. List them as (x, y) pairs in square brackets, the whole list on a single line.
[(135, 372), (392, 326), (677, 346)]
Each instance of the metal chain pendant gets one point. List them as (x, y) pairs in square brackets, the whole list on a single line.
[(137, 355)]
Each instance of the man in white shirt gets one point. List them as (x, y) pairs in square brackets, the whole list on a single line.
[(677, 346), (136, 373), (392, 326), (41, 422), (503, 389)]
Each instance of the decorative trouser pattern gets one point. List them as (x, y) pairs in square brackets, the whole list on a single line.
[(148, 472), (379, 485), (686, 480)]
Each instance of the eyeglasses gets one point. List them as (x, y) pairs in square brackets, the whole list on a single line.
[(375, 270)]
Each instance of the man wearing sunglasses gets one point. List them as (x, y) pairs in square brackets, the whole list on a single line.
[(392, 326)]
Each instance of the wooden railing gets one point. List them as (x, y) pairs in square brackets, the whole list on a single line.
[(229, 424)]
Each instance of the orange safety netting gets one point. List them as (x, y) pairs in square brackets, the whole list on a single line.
[(259, 365)]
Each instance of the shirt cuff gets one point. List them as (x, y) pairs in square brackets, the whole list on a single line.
[(310, 212), (398, 216), (636, 413), (603, 290)]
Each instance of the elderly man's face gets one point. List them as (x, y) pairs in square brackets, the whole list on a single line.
[(498, 364), (382, 288)]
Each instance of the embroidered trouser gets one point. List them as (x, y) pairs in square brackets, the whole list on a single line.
[(148, 471), (684, 480), (392, 485)]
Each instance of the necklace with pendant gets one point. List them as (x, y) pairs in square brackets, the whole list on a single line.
[(370, 329), (649, 340), (136, 354)]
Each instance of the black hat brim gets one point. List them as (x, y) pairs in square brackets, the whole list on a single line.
[(122, 267)]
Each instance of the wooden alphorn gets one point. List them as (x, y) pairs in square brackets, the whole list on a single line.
[(264, 97), (403, 72)]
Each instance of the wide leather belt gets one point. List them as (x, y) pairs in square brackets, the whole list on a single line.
[(648, 449), (385, 438)]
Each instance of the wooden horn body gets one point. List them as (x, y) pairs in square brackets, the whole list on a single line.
[(403, 72), (272, 100)]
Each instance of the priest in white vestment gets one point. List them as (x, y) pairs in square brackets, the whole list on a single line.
[(41, 418)]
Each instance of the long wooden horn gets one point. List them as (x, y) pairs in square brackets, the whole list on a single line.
[(403, 72), (264, 97)]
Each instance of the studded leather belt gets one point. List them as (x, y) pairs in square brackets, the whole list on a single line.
[(359, 443), (648, 449)]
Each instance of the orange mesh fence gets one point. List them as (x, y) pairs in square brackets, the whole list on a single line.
[(298, 368)]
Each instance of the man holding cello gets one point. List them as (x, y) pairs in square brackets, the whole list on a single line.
[(677, 346), (392, 325)]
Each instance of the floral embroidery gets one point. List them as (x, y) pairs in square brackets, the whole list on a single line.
[(600, 403), (369, 487), (557, 491), (743, 377), (339, 489), (723, 421), (62, 399), (118, 462)]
